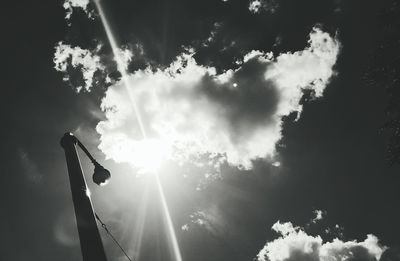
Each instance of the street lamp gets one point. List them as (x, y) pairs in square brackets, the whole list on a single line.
[(89, 236)]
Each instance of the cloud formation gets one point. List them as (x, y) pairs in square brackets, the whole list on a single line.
[(296, 245), (87, 62), (70, 5), (258, 6), (319, 215), (236, 115)]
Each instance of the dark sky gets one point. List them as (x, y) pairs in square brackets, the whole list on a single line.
[(333, 158)]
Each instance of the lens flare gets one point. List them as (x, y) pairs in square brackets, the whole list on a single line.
[(151, 149)]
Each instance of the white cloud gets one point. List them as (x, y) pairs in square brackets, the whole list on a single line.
[(125, 56), (276, 164), (189, 109), (213, 34), (86, 61), (318, 215), (296, 245), (185, 227), (69, 6), (257, 6)]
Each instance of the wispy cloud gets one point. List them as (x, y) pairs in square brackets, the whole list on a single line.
[(213, 34)]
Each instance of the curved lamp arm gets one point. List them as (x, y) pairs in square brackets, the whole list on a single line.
[(86, 151), (101, 175)]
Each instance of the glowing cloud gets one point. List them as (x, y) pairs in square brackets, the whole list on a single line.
[(236, 115), (295, 244)]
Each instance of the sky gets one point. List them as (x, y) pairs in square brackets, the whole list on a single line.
[(233, 129)]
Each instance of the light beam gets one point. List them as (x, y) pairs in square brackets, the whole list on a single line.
[(139, 222), (125, 80), (170, 225), (120, 65)]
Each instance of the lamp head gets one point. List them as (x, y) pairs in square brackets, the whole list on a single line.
[(101, 176)]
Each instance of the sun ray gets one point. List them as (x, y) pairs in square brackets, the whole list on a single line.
[(170, 225), (120, 65), (139, 223), (122, 69)]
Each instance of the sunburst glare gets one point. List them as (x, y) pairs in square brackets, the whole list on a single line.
[(147, 154)]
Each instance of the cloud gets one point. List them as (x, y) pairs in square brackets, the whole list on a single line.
[(188, 109), (125, 56), (85, 68), (202, 219), (319, 215), (70, 5), (85, 61), (295, 244), (258, 6), (213, 34)]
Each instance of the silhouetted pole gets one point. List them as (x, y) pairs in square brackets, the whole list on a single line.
[(89, 236)]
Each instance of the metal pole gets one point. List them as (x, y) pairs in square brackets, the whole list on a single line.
[(89, 236)]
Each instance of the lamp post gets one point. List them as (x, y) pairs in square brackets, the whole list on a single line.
[(89, 236)]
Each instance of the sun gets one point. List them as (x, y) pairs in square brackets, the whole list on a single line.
[(148, 155)]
